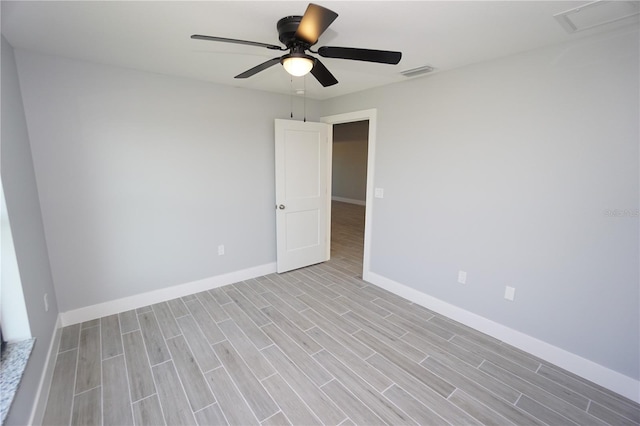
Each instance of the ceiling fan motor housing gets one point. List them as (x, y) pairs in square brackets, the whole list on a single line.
[(287, 28)]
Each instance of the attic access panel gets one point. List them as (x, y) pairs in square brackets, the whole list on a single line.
[(595, 14)]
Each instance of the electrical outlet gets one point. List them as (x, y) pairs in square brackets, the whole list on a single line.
[(462, 277), (46, 302), (220, 250), (379, 193), (509, 293)]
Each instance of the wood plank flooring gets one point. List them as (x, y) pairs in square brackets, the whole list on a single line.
[(309, 347)]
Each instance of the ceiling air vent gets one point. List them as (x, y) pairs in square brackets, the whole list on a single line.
[(417, 71), (596, 13)]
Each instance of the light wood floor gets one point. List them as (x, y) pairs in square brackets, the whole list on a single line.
[(313, 346)]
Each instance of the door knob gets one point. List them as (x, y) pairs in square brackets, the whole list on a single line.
[(281, 206)]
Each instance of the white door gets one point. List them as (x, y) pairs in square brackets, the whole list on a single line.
[(303, 170)]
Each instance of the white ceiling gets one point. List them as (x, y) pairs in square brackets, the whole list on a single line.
[(154, 36)]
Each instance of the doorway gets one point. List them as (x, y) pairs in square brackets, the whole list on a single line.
[(348, 195), (351, 216)]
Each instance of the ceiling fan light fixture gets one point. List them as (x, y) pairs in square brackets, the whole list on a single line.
[(298, 64)]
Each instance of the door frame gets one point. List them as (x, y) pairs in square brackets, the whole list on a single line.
[(371, 115)]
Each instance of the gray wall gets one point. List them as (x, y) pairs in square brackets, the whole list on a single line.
[(349, 169), (142, 176), (23, 208), (506, 170)]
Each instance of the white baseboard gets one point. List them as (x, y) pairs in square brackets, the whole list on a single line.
[(349, 200), (132, 302), (603, 376), (42, 394)]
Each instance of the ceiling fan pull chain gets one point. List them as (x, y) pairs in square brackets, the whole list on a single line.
[(291, 95), (305, 98)]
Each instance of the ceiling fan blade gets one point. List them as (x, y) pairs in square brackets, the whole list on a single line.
[(322, 74), (315, 21), (233, 40), (255, 70), (369, 55)]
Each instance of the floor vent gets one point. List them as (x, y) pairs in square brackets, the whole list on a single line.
[(417, 71)]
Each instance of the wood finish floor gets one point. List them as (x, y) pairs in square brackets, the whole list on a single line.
[(309, 347)]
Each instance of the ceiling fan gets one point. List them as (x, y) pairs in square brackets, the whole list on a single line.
[(298, 34)]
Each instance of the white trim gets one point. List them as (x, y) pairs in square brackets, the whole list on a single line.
[(132, 302), (372, 116), (42, 393), (329, 183), (603, 376), (349, 200)]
